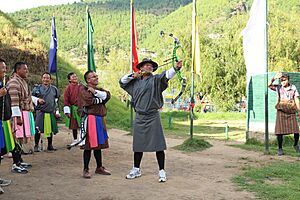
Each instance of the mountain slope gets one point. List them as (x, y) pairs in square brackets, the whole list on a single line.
[(223, 76), (220, 21), (17, 44)]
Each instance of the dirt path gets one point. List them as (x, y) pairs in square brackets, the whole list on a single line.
[(202, 175)]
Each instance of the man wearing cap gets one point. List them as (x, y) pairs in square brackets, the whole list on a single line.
[(146, 92), (287, 106)]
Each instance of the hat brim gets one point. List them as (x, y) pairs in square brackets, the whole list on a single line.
[(154, 64), (285, 75)]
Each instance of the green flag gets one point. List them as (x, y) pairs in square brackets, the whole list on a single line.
[(90, 48)]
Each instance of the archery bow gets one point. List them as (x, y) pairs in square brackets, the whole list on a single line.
[(174, 59), (83, 117), (82, 131)]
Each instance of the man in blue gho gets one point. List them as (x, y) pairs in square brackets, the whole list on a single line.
[(146, 90), (45, 97)]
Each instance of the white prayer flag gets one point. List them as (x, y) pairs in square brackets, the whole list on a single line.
[(255, 39)]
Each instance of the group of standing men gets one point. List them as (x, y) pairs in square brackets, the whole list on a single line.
[(26, 114), (17, 121)]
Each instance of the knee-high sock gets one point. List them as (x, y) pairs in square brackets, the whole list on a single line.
[(98, 157), (296, 139), (37, 137), (280, 140), (137, 159), (50, 139), (74, 134), (160, 156), (17, 154), (86, 158)]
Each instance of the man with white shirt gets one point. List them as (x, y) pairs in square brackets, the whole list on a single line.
[(45, 97), (23, 126), (92, 109), (71, 105), (146, 90)]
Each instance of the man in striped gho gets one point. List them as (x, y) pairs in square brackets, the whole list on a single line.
[(23, 126)]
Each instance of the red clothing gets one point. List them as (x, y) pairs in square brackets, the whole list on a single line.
[(71, 99), (71, 95)]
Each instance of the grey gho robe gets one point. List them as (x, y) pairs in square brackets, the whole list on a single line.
[(147, 98)]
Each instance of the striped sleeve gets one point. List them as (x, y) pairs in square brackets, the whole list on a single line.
[(97, 100), (13, 90)]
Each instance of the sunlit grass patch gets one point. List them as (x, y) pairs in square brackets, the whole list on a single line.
[(191, 145), (275, 181)]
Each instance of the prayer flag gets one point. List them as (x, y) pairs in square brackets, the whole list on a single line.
[(90, 48), (52, 67), (195, 42), (134, 43), (254, 39)]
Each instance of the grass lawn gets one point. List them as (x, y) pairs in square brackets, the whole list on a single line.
[(253, 145), (279, 180), (206, 125)]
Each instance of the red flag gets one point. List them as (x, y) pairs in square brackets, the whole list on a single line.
[(134, 45)]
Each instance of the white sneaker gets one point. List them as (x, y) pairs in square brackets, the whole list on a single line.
[(18, 169), (4, 182), (134, 173), (162, 176)]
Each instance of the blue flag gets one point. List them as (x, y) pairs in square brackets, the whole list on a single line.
[(53, 49)]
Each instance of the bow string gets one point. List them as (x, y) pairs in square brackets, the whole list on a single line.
[(175, 59)]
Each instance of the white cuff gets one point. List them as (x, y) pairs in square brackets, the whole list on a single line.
[(100, 94), (56, 100), (35, 100), (170, 73), (16, 112), (127, 78), (67, 110)]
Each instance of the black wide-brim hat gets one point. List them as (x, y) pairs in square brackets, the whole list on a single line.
[(285, 75), (147, 60)]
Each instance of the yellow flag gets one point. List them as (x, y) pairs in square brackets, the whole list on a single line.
[(195, 42)]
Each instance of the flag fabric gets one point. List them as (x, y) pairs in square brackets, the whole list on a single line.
[(134, 43), (90, 48), (52, 67), (255, 40), (195, 42)]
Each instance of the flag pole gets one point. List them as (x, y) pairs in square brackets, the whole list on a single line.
[(194, 14), (87, 35), (56, 74), (131, 60), (192, 107), (266, 83)]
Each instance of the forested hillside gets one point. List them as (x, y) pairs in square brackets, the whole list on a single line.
[(222, 63), (220, 21), (17, 44)]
